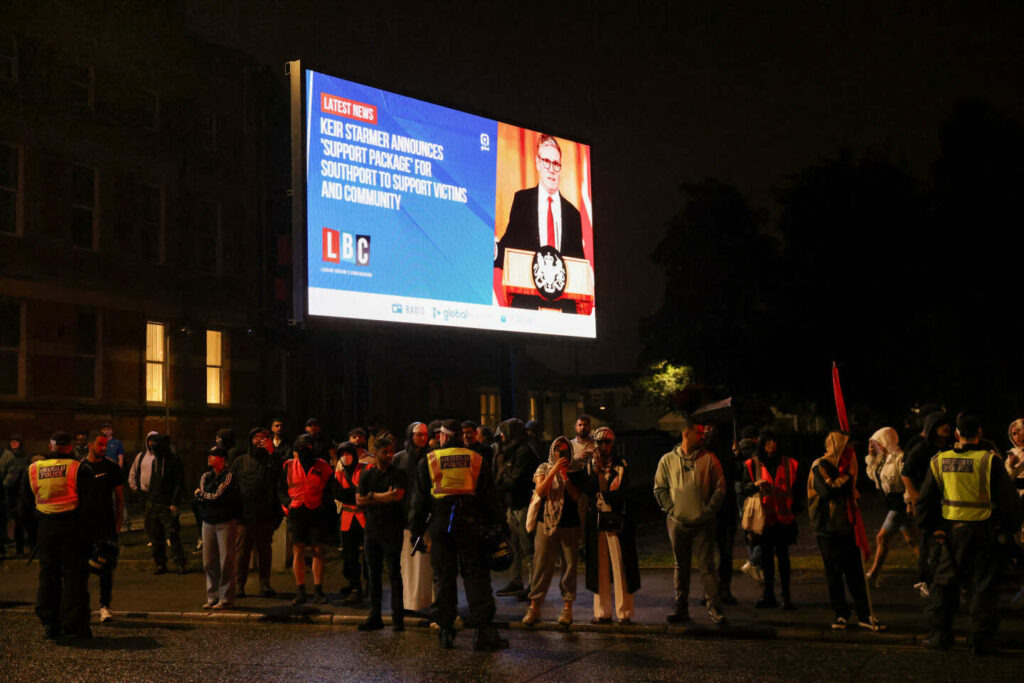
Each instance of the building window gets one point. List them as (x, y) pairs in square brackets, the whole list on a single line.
[(11, 337), (156, 362), (83, 206), (86, 354), (8, 58), (208, 238), (214, 367), (150, 212), (490, 407), (82, 87), (534, 412), (10, 188)]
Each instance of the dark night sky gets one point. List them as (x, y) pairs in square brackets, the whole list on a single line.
[(744, 92)]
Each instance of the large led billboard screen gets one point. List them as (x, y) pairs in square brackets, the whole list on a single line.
[(417, 213)]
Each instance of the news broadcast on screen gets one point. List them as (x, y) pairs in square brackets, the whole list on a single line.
[(418, 213)]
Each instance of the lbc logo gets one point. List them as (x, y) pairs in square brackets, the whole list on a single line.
[(342, 246)]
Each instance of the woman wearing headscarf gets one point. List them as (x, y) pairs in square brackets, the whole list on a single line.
[(610, 533), (884, 463), (558, 485), (772, 476)]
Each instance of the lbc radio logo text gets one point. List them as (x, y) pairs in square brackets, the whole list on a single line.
[(342, 246)]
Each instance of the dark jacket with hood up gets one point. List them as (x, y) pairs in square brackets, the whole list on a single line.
[(167, 482), (918, 458), (408, 459), (258, 474), (518, 463), (226, 440)]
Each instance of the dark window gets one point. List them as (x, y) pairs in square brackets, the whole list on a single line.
[(10, 346), (8, 57), (8, 189), (82, 86), (150, 212), (85, 348), (207, 237), (83, 206)]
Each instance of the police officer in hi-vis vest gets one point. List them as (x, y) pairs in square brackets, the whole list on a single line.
[(969, 506), (59, 484), (455, 490)]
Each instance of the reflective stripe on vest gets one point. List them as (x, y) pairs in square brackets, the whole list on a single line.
[(55, 485), (307, 488), (453, 471), (963, 480), (348, 512)]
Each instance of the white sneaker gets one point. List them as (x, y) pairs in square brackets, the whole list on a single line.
[(922, 588), (105, 615)]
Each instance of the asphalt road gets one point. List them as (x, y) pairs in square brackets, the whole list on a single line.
[(151, 651)]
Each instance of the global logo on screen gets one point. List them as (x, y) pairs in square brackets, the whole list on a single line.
[(341, 246)]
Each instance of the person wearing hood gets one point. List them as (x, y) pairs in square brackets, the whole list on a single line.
[(304, 482), (937, 437), (348, 473), (1015, 456), (159, 477), (559, 484), (515, 485), (417, 576), (258, 473), (884, 463), (831, 491), (772, 476), (14, 462), (220, 506), (690, 488), (610, 533), (743, 450), (225, 438)]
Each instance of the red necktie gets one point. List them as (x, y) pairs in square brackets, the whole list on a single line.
[(551, 225)]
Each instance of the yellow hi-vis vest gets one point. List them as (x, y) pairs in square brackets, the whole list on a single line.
[(453, 471), (963, 479), (55, 484)]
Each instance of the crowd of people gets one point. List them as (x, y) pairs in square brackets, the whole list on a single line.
[(454, 491)]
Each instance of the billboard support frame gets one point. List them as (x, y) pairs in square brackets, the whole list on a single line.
[(293, 70)]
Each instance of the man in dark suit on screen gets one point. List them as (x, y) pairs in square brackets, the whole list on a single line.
[(540, 215)]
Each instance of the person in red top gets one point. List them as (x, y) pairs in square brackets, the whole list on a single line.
[(772, 475), (303, 485)]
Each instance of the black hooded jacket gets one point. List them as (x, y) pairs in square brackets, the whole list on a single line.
[(514, 480), (167, 483), (258, 474), (917, 460), (409, 459), (226, 440)]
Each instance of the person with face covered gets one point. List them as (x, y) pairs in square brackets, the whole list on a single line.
[(610, 533), (417, 576), (515, 484), (347, 475), (558, 482), (159, 477), (380, 493), (304, 481), (258, 473), (220, 506), (883, 465)]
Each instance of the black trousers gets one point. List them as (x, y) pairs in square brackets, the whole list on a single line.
[(842, 562), (725, 538), (926, 557), (257, 537), (775, 545), (378, 550), (63, 596), (353, 568), (163, 526), (968, 559), (450, 554)]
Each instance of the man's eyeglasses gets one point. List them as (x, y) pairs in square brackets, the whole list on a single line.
[(602, 442), (550, 164)]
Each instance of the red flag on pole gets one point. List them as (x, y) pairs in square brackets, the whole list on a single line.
[(850, 464)]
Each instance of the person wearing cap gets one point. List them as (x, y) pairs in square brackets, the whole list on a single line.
[(14, 463), (115, 449), (104, 510), (968, 505), (610, 533), (380, 494), (258, 472), (58, 485), (220, 506), (322, 446), (455, 500), (358, 437), (689, 487), (303, 484), (348, 475)]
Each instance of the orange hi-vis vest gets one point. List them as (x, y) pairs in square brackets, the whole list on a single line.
[(307, 488), (453, 471), (55, 484), (778, 505), (348, 512)]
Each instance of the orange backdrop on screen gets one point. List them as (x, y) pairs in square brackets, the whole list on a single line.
[(517, 170)]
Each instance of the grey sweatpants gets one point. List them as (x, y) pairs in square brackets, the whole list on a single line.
[(219, 550)]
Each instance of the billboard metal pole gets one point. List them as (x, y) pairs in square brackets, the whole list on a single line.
[(298, 192)]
